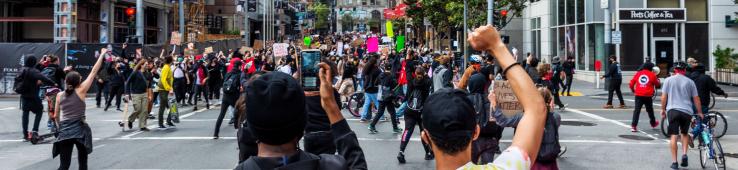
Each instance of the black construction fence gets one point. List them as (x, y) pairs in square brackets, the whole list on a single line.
[(83, 56)]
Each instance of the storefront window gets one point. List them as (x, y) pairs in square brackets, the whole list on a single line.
[(580, 11), (631, 50), (696, 42), (696, 10), (591, 41), (554, 42), (581, 46), (562, 42), (561, 12), (570, 11), (663, 3)]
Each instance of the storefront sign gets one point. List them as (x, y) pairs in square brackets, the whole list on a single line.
[(604, 4), (653, 15)]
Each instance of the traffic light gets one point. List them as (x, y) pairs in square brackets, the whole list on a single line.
[(130, 12), (500, 17)]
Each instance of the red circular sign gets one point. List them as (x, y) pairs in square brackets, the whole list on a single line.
[(598, 65)]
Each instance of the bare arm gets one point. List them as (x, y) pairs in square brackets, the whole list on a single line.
[(465, 78), (57, 110), (326, 94), (530, 128), (82, 89)]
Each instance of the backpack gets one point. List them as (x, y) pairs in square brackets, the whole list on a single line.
[(550, 147), (481, 105), (416, 101), (18, 85), (438, 82), (231, 84)]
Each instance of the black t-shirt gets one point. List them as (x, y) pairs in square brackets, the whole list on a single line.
[(317, 119), (138, 82)]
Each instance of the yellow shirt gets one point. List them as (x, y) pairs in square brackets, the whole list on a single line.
[(166, 80)]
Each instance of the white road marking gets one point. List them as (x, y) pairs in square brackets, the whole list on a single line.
[(9, 108), (183, 120), (630, 100), (510, 141), (174, 138), (155, 125), (596, 117)]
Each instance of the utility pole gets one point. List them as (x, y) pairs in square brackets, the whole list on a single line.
[(139, 21), (490, 10), (465, 35), (181, 20)]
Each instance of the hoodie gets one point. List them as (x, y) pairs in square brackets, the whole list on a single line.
[(644, 83)]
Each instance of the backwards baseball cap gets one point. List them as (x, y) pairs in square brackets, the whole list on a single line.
[(449, 114), (680, 65), (275, 107)]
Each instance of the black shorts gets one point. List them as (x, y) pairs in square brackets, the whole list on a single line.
[(678, 122)]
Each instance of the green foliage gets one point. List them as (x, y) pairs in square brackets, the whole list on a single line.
[(347, 21), (321, 15), (725, 58), (450, 13), (232, 32)]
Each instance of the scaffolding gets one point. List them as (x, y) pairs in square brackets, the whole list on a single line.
[(65, 21), (194, 20)]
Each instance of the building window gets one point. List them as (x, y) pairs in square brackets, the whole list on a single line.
[(631, 53), (570, 11), (561, 11), (535, 36), (697, 10), (580, 11), (580, 47), (696, 42)]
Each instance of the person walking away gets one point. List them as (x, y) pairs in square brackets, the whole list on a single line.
[(215, 80), (531, 68), (556, 81), (370, 74), (28, 87), (139, 94), (277, 119), (643, 85), (103, 79), (201, 79), (568, 67), (442, 75), (165, 87), (484, 148), (615, 77), (180, 81), (231, 90), (386, 96), (73, 129), (117, 83), (418, 89), (705, 84), (679, 96)]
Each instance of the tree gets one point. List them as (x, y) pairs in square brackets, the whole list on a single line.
[(445, 13), (321, 12), (347, 22)]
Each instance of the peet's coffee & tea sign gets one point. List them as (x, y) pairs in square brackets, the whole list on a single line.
[(652, 14)]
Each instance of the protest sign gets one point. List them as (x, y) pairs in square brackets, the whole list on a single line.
[(280, 49), (506, 99), (372, 45)]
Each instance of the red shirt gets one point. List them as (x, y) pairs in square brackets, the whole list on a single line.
[(644, 83)]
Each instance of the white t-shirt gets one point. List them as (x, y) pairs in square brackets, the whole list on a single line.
[(511, 158), (285, 69)]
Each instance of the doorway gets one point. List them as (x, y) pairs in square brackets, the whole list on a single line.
[(663, 53)]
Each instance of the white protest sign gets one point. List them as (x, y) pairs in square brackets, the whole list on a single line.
[(280, 49), (506, 99)]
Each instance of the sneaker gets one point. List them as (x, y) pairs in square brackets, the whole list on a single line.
[(674, 166), (429, 156), (396, 130), (118, 109), (130, 125), (685, 162), (170, 124), (194, 109), (162, 127), (633, 129), (655, 124), (372, 130), (362, 120), (563, 107), (607, 106), (622, 106), (216, 137), (144, 129), (401, 157)]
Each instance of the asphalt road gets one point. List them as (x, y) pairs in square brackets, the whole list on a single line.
[(595, 138)]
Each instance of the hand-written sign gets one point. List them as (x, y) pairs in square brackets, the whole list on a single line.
[(506, 99)]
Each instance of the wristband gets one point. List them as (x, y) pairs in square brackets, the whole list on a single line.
[(504, 72)]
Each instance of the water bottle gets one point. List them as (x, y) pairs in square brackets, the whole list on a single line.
[(705, 136)]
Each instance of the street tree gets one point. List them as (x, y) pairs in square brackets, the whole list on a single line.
[(321, 12)]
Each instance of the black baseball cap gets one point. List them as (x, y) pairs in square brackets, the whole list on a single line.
[(275, 108), (449, 114)]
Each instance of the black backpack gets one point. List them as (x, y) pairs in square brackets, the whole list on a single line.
[(481, 108), (231, 85), (550, 147), (19, 86)]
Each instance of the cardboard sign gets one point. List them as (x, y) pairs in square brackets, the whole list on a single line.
[(339, 49), (385, 49), (176, 38), (372, 45), (506, 99), (280, 49), (208, 50), (258, 45)]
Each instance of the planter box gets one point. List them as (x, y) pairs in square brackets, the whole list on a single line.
[(726, 76)]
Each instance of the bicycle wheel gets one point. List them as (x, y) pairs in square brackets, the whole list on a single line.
[(664, 127), (712, 101), (719, 158), (354, 104), (718, 123)]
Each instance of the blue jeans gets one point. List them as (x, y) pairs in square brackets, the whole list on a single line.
[(403, 106), (359, 85), (697, 130), (369, 98)]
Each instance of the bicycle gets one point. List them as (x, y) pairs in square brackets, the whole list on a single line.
[(719, 125), (356, 103), (709, 145)]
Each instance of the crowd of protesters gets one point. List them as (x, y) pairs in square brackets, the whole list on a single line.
[(452, 104)]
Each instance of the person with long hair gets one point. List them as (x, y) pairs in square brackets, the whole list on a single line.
[(371, 73), (73, 130)]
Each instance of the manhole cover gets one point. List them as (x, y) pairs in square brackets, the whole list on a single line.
[(577, 123), (635, 137), (732, 155)]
